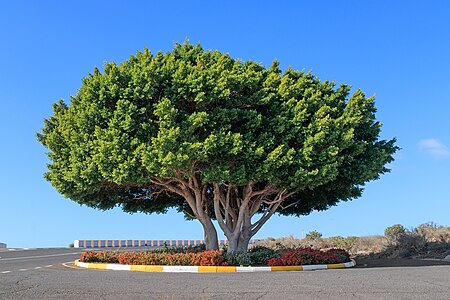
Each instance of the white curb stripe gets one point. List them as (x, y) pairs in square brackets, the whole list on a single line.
[(253, 269), (180, 269), (350, 264), (117, 267), (314, 267), (82, 264)]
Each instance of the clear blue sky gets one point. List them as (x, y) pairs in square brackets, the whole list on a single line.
[(398, 50)]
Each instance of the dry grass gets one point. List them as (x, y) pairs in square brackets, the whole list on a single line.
[(427, 240), (433, 233)]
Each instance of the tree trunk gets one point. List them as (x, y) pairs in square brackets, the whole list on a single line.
[(244, 239), (239, 242), (210, 234), (194, 192), (234, 207)]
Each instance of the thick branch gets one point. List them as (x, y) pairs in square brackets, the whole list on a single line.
[(198, 193), (230, 215), (219, 217), (179, 187), (273, 206), (248, 193)]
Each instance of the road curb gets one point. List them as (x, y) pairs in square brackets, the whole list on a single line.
[(209, 269)]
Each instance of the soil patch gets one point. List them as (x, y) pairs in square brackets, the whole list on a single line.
[(366, 262)]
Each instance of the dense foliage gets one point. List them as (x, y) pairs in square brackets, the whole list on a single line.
[(214, 137), (309, 256)]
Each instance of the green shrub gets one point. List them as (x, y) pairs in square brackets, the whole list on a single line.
[(239, 259), (259, 255), (394, 232), (181, 249), (313, 235)]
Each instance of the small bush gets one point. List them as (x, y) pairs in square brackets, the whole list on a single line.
[(142, 258), (211, 258), (259, 255), (182, 259), (103, 257), (206, 258), (394, 232), (309, 256), (433, 232), (341, 254), (313, 235), (427, 240), (184, 249), (239, 259)]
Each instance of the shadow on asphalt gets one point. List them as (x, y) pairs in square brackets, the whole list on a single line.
[(364, 262)]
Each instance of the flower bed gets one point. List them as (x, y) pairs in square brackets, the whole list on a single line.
[(256, 256)]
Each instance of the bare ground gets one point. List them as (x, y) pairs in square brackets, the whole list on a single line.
[(376, 262)]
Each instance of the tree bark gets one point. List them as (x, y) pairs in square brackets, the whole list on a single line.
[(211, 239), (233, 242), (243, 244), (194, 192)]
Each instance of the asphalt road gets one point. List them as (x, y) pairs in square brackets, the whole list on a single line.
[(40, 274)]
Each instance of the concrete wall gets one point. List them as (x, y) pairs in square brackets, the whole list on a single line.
[(140, 243), (2, 245)]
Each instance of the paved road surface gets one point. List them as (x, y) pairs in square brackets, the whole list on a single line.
[(19, 260), (39, 274)]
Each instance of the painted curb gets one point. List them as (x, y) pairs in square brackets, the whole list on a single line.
[(209, 269)]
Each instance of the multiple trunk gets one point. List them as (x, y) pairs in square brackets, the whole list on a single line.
[(233, 205)]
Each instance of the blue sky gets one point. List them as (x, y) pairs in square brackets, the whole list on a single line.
[(397, 50)]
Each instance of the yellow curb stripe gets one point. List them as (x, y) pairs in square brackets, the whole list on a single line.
[(216, 269), (146, 268), (226, 269), (207, 269), (97, 266), (336, 266), (137, 268), (153, 268)]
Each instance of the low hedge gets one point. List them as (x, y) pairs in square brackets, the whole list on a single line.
[(256, 256), (308, 256)]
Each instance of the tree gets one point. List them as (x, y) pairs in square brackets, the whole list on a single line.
[(214, 137)]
